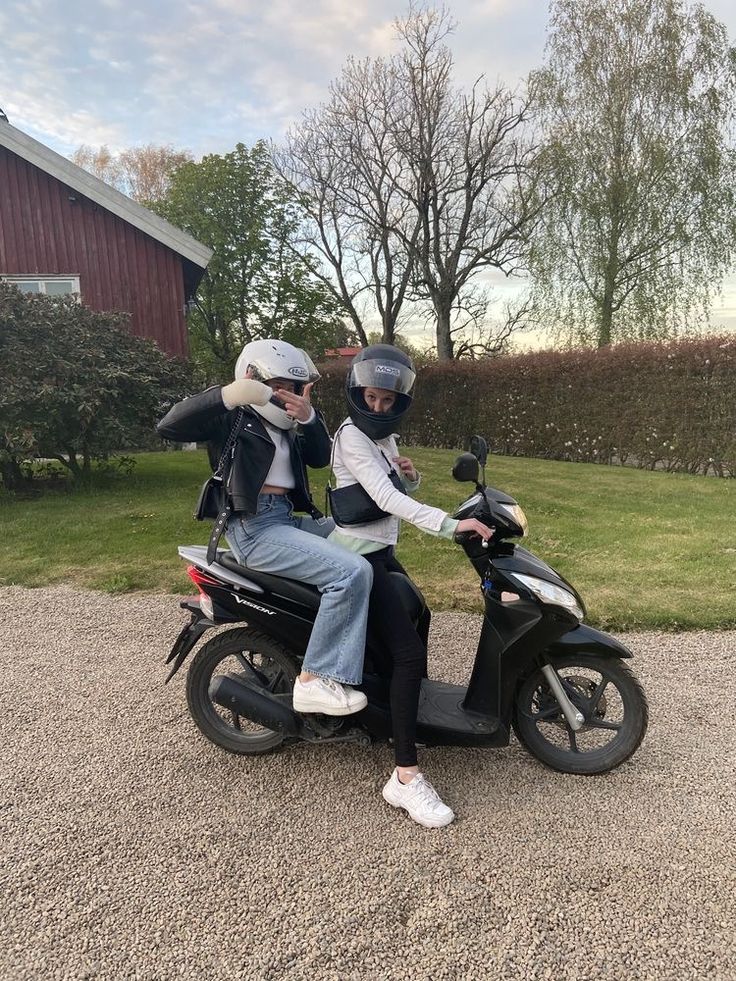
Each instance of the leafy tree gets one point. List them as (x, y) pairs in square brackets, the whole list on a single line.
[(142, 172), (637, 98), (101, 162), (74, 384), (256, 284)]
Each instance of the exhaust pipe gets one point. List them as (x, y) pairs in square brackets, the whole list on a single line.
[(252, 703)]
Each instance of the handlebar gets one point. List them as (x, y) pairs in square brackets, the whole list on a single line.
[(480, 513)]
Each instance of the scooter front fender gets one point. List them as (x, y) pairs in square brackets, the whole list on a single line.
[(587, 640)]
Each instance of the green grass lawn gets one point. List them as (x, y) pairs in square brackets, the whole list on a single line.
[(650, 550)]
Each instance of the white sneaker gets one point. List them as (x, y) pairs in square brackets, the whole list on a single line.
[(327, 696), (420, 799)]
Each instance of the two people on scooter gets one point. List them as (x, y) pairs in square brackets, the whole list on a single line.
[(280, 435), (379, 390), (267, 482)]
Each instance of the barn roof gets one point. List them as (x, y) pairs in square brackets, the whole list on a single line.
[(101, 193)]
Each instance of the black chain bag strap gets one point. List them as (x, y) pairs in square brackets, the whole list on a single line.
[(211, 497), (213, 501), (353, 505)]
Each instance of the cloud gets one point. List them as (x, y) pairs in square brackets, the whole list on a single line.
[(49, 121), (257, 65), (206, 74)]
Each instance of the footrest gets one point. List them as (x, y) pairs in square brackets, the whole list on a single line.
[(440, 706)]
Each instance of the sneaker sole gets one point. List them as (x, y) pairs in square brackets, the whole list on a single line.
[(320, 708), (437, 823)]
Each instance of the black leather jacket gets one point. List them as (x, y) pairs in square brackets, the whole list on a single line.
[(204, 418)]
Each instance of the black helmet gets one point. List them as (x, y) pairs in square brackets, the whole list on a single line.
[(379, 366)]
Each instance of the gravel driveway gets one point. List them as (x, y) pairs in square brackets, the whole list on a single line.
[(132, 848)]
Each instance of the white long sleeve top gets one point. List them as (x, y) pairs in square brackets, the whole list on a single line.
[(358, 459)]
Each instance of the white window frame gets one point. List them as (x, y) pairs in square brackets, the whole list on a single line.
[(41, 279)]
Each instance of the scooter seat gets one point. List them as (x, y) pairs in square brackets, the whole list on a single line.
[(299, 592), (306, 595)]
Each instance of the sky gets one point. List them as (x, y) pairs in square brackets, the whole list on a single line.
[(206, 75)]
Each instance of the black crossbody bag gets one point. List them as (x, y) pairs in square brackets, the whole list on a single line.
[(353, 505), (211, 500), (215, 496)]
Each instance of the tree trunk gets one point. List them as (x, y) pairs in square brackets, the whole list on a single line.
[(359, 328), (609, 288), (11, 473), (445, 350), (71, 462), (604, 326)]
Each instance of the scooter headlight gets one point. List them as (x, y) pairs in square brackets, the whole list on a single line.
[(516, 513), (547, 592)]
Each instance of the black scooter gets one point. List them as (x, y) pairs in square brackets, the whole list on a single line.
[(560, 684)]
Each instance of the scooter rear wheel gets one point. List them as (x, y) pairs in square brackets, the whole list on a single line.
[(612, 701), (262, 662)]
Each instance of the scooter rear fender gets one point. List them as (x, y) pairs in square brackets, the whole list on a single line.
[(188, 636), (587, 640)]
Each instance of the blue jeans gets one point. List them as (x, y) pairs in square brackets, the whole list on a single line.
[(277, 542)]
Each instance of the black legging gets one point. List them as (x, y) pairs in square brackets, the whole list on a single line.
[(399, 651)]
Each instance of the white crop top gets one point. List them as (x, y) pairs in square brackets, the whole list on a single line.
[(281, 473)]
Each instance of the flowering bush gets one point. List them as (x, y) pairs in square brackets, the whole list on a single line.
[(652, 405)]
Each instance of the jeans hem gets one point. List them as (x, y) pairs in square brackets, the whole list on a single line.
[(331, 677)]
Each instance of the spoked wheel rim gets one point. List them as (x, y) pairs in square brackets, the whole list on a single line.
[(246, 656), (611, 701), (594, 693)]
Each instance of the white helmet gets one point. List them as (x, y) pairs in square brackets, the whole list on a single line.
[(268, 360)]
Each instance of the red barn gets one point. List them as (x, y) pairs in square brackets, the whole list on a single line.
[(62, 230), (343, 353)]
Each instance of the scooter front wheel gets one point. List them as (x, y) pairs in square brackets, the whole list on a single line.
[(611, 701), (261, 662)]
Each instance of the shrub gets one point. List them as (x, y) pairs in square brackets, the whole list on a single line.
[(654, 405), (74, 384)]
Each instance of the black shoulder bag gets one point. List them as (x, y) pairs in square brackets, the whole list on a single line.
[(213, 503), (211, 498), (353, 505)]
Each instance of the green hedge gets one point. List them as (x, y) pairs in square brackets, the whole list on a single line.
[(652, 405)]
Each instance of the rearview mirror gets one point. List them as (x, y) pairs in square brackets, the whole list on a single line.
[(479, 449), (466, 468)]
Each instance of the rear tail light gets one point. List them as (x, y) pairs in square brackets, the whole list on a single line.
[(200, 578)]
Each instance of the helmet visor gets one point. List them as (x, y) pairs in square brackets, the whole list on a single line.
[(314, 375), (382, 373)]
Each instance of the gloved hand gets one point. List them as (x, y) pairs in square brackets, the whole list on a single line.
[(245, 391)]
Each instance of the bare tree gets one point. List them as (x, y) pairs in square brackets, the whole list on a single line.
[(143, 173), (476, 335), (412, 187), (472, 168), (343, 162)]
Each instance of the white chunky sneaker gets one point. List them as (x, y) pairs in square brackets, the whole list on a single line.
[(420, 799), (328, 697)]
